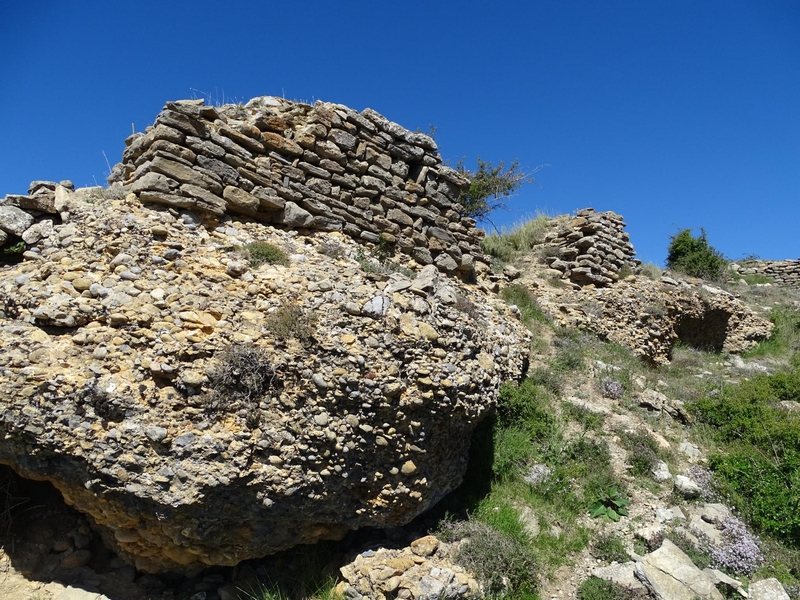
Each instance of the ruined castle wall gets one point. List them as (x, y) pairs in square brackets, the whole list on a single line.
[(781, 272), (591, 248), (324, 167)]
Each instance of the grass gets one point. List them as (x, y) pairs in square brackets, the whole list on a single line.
[(594, 588), (785, 339), (514, 241)]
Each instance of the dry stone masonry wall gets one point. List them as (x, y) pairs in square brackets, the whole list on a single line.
[(324, 167), (591, 249), (781, 272)]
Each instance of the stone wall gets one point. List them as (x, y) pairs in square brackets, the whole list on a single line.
[(323, 167), (781, 272), (590, 248)]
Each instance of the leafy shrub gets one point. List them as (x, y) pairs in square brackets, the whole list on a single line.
[(240, 377), (525, 404), (588, 419), (489, 186), (260, 253), (521, 297), (693, 256), (291, 321), (610, 504), (502, 562)]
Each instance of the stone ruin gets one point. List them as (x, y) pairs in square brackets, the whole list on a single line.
[(324, 167), (781, 272), (590, 249)]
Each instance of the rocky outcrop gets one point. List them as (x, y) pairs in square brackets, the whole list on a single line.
[(324, 167), (201, 411), (421, 571), (589, 249), (650, 317)]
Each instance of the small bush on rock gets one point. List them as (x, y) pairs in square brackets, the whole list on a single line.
[(260, 253), (240, 377), (291, 321)]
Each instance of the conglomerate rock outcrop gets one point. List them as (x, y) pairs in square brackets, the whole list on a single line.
[(650, 317), (202, 411)]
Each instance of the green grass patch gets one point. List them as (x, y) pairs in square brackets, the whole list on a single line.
[(594, 588), (758, 462), (785, 338), (521, 297)]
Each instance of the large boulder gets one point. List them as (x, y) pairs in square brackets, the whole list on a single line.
[(202, 419)]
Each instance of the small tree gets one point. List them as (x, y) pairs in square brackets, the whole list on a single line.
[(489, 186), (693, 256)]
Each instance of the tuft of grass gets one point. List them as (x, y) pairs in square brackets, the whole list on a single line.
[(240, 377), (260, 253), (521, 297), (643, 451), (651, 271), (511, 242)]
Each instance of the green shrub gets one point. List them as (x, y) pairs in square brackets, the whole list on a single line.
[(260, 253), (489, 186), (693, 256), (525, 404)]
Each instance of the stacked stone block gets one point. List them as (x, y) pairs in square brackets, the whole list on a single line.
[(591, 248), (324, 167), (781, 272)]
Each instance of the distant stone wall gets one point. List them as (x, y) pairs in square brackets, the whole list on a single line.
[(781, 272), (324, 167), (590, 249)]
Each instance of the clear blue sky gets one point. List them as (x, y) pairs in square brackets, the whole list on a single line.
[(673, 114)]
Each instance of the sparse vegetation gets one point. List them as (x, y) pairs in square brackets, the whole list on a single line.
[(240, 377), (514, 241), (521, 297)]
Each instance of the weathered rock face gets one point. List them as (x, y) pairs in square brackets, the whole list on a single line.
[(324, 167), (590, 249), (650, 317), (340, 398)]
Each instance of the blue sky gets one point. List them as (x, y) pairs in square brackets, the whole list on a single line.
[(674, 114)]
